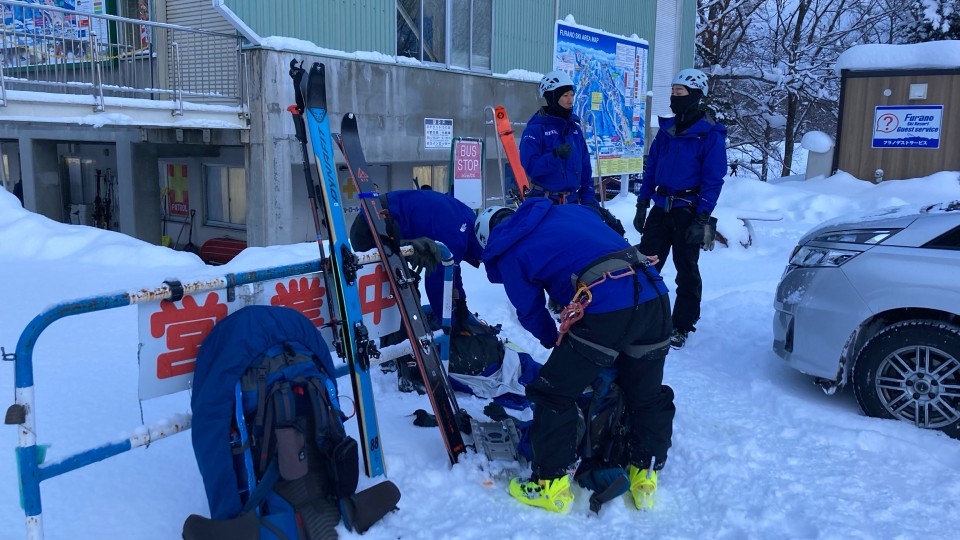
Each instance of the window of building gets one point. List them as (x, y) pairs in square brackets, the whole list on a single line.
[(226, 196), (434, 176), (455, 33)]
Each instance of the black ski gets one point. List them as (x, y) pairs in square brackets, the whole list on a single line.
[(404, 286)]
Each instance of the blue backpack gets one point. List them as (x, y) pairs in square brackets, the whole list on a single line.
[(268, 433)]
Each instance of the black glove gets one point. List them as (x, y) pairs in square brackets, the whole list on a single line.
[(697, 231), (496, 412), (562, 151), (426, 254), (710, 234), (641, 218)]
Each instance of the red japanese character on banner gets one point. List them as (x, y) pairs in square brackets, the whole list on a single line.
[(185, 329), (304, 295), (379, 303)]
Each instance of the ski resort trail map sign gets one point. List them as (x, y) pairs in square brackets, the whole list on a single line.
[(610, 78)]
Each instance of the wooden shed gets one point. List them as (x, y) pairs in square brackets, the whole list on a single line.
[(899, 110)]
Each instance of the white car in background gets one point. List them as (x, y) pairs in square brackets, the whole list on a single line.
[(874, 302)]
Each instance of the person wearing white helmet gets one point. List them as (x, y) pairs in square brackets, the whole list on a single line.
[(553, 151), (682, 177)]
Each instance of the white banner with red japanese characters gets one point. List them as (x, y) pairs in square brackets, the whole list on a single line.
[(171, 332)]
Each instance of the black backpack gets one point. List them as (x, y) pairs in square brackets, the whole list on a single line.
[(603, 439)]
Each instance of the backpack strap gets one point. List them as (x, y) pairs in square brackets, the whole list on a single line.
[(267, 481), (261, 385), (281, 411)]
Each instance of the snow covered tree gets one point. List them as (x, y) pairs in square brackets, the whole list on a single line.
[(930, 20), (771, 67)]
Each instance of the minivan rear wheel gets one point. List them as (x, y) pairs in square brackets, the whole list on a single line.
[(910, 371)]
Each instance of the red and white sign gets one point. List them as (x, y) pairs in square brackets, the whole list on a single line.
[(468, 172), (171, 333)]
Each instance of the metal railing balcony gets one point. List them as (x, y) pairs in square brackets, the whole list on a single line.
[(55, 50)]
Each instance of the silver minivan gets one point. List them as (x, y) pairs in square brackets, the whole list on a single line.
[(874, 301)]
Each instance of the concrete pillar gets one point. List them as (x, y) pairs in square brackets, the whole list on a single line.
[(138, 190), (272, 149), (42, 192)]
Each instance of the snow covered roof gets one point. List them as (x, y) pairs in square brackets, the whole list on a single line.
[(933, 54)]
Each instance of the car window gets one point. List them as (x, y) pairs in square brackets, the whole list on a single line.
[(947, 240)]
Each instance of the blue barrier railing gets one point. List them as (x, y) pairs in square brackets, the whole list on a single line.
[(31, 470), (30, 466)]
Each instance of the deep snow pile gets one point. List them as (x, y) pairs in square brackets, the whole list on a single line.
[(759, 451)]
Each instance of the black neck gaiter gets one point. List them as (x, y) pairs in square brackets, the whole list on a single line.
[(554, 109), (687, 109)]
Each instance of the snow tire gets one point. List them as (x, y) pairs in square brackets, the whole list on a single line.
[(910, 371)]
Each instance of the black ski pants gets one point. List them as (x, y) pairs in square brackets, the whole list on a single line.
[(666, 231), (573, 366)]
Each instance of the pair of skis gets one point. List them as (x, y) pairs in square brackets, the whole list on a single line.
[(357, 348)]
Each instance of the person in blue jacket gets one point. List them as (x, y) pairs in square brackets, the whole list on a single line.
[(421, 217), (553, 151), (625, 323), (683, 176)]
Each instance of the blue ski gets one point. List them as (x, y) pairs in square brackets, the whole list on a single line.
[(357, 348)]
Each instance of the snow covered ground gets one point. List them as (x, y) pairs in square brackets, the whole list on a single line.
[(758, 451)]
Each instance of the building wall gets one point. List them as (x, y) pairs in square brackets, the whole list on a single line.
[(863, 92), (342, 25), (522, 29), (390, 102), (687, 38)]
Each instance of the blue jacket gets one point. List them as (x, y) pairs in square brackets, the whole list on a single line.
[(574, 174), (438, 216), (696, 157), (541, 246)]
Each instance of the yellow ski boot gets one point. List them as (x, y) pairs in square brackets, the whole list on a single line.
[(551, 495), (643, 487)]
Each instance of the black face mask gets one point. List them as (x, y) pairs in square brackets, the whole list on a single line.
[(681, 105)]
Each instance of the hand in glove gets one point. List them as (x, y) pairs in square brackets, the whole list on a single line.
[(426, 254), (562, 151), (697, 231), (641, 218), (710, 234)]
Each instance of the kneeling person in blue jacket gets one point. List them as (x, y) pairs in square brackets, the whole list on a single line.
[(573, 256), (421, 217)]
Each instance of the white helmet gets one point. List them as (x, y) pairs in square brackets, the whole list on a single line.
[(494, 214), (692, 78), (553, 80)]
